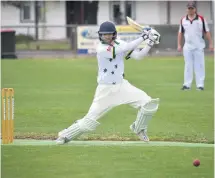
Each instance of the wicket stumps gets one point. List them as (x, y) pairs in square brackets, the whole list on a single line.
[(7, 114)]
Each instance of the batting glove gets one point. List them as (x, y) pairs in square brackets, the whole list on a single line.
[(151, 36)]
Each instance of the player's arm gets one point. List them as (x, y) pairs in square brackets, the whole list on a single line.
[(138, 55), (123, 48), (207, 33), (147, 35), (110, 51), (180, 34), (179, 39)]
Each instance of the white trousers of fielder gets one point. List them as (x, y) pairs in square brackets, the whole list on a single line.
[(194, 63)]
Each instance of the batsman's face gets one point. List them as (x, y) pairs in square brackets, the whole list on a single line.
[(107, 38), (191, 10)]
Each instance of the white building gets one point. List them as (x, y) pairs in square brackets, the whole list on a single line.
[(61, 13)]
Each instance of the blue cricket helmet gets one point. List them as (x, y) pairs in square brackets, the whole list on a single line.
[(107, 28)]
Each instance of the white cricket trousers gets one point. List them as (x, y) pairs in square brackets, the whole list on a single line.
[(194, 59), (108, 96)]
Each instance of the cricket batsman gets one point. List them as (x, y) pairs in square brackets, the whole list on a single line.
[(113, 90)]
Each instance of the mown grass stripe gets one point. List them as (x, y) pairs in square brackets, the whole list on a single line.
[(23, 142)]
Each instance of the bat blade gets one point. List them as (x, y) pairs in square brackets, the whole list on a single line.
[(135, 25)]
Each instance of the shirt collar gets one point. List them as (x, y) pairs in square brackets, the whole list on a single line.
[(196, 17)]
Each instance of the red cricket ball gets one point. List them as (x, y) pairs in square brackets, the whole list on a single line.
[(196, 162)]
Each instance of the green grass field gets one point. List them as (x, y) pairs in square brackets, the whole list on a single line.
[(50, 94), (118, 162)]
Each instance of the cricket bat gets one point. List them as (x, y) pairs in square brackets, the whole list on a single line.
[(140, 28), (135, 25)]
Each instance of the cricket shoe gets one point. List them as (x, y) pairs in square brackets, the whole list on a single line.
[(61, 140), (200, 89), (142, 134), (185, 88)]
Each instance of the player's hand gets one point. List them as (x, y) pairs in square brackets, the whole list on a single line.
[(211, 49), (150, 42), (152, 35), (156, 36), (179, 48), (148, 38)]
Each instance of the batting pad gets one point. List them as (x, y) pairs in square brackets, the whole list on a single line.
[(78, 128), (145, 115), (87, 125)]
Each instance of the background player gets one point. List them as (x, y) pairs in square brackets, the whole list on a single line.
[(194, 27)]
